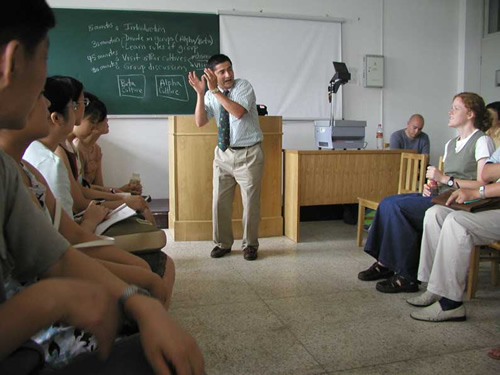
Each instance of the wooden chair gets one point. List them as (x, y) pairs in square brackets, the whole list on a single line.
[(490, 253), (411, 180), (441, 164)]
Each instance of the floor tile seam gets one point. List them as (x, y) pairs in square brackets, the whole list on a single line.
[(413, 359), (246, 281), (447, 353), (252, 288), (477, 325), (283, 323), (382, 319), (318, 294), (292, 296), (173, 308), (483, 330), (355, 257)]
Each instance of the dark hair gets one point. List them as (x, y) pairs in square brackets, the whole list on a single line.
[(76, 86), (96, 111), (473, 102), (27, 21), (59, 93), (217, 59), (494, 106)]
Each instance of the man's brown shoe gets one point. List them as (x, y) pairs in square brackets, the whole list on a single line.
[(219, 252), (249, 253)]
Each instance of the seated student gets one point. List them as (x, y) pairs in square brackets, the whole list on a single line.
[(14, 143), (65, 149), (494, 130), (131, 269), (93, 125), (394, 237), (68, 154), (40, 155), (447, 242), (74, 288), (411, 138), (51, 166)]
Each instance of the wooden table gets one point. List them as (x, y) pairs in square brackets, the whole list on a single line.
[(335, 177)]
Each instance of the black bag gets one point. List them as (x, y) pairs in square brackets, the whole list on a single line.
[(26, 360)]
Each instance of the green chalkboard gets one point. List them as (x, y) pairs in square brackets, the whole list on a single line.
[(136, 62)]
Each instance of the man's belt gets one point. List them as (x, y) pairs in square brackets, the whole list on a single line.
[(242, 147)]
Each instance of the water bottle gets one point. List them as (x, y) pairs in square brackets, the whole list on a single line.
[(433, 186), (380, 137), (134, 183)]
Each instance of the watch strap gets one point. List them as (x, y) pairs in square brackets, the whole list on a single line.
[(451, 181), (130, 291), (215, 91), (482, 192)]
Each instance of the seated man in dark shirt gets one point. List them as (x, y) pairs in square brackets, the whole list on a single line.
[(411, 138)]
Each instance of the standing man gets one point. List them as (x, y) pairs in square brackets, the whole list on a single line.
[(238, 156), (411, 138)]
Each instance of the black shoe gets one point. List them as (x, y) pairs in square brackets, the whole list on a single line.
[(397, 284), (249, 253), (375, 272), (219, 252)]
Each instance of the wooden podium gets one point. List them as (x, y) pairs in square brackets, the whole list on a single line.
[(191, 154)]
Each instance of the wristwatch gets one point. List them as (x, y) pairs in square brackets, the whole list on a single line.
[(482, 192), (127, 293), (215, 91), (451, 182)]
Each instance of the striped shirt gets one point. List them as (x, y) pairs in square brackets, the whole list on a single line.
[(246, 130)]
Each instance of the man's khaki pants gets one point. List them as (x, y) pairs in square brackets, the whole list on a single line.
[(244, 167), (447, 242)]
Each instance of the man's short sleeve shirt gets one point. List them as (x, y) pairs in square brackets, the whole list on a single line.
[(246, 130)]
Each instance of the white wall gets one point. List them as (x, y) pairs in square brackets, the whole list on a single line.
[(421, 52), (470, 35), (490, 64), (137, 145), (420, 42)]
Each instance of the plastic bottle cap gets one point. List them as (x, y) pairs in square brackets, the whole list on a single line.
[(136, 177)]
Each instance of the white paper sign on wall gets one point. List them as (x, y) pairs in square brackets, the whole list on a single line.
[(373, 73)]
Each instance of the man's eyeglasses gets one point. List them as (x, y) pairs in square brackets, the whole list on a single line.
[(85, 101)]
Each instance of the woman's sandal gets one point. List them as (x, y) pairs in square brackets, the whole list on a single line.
[(494, 353), (397, 284)]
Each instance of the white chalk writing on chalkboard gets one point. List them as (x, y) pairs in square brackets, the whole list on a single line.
[(135, 61), (141, 48), (172, 87), (132, 85)]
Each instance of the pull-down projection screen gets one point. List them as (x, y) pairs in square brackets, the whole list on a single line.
[(288, 62)]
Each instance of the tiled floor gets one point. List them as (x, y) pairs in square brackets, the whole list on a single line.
[(300, 309)]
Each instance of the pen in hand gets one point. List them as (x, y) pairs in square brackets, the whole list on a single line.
[(472, 201)]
